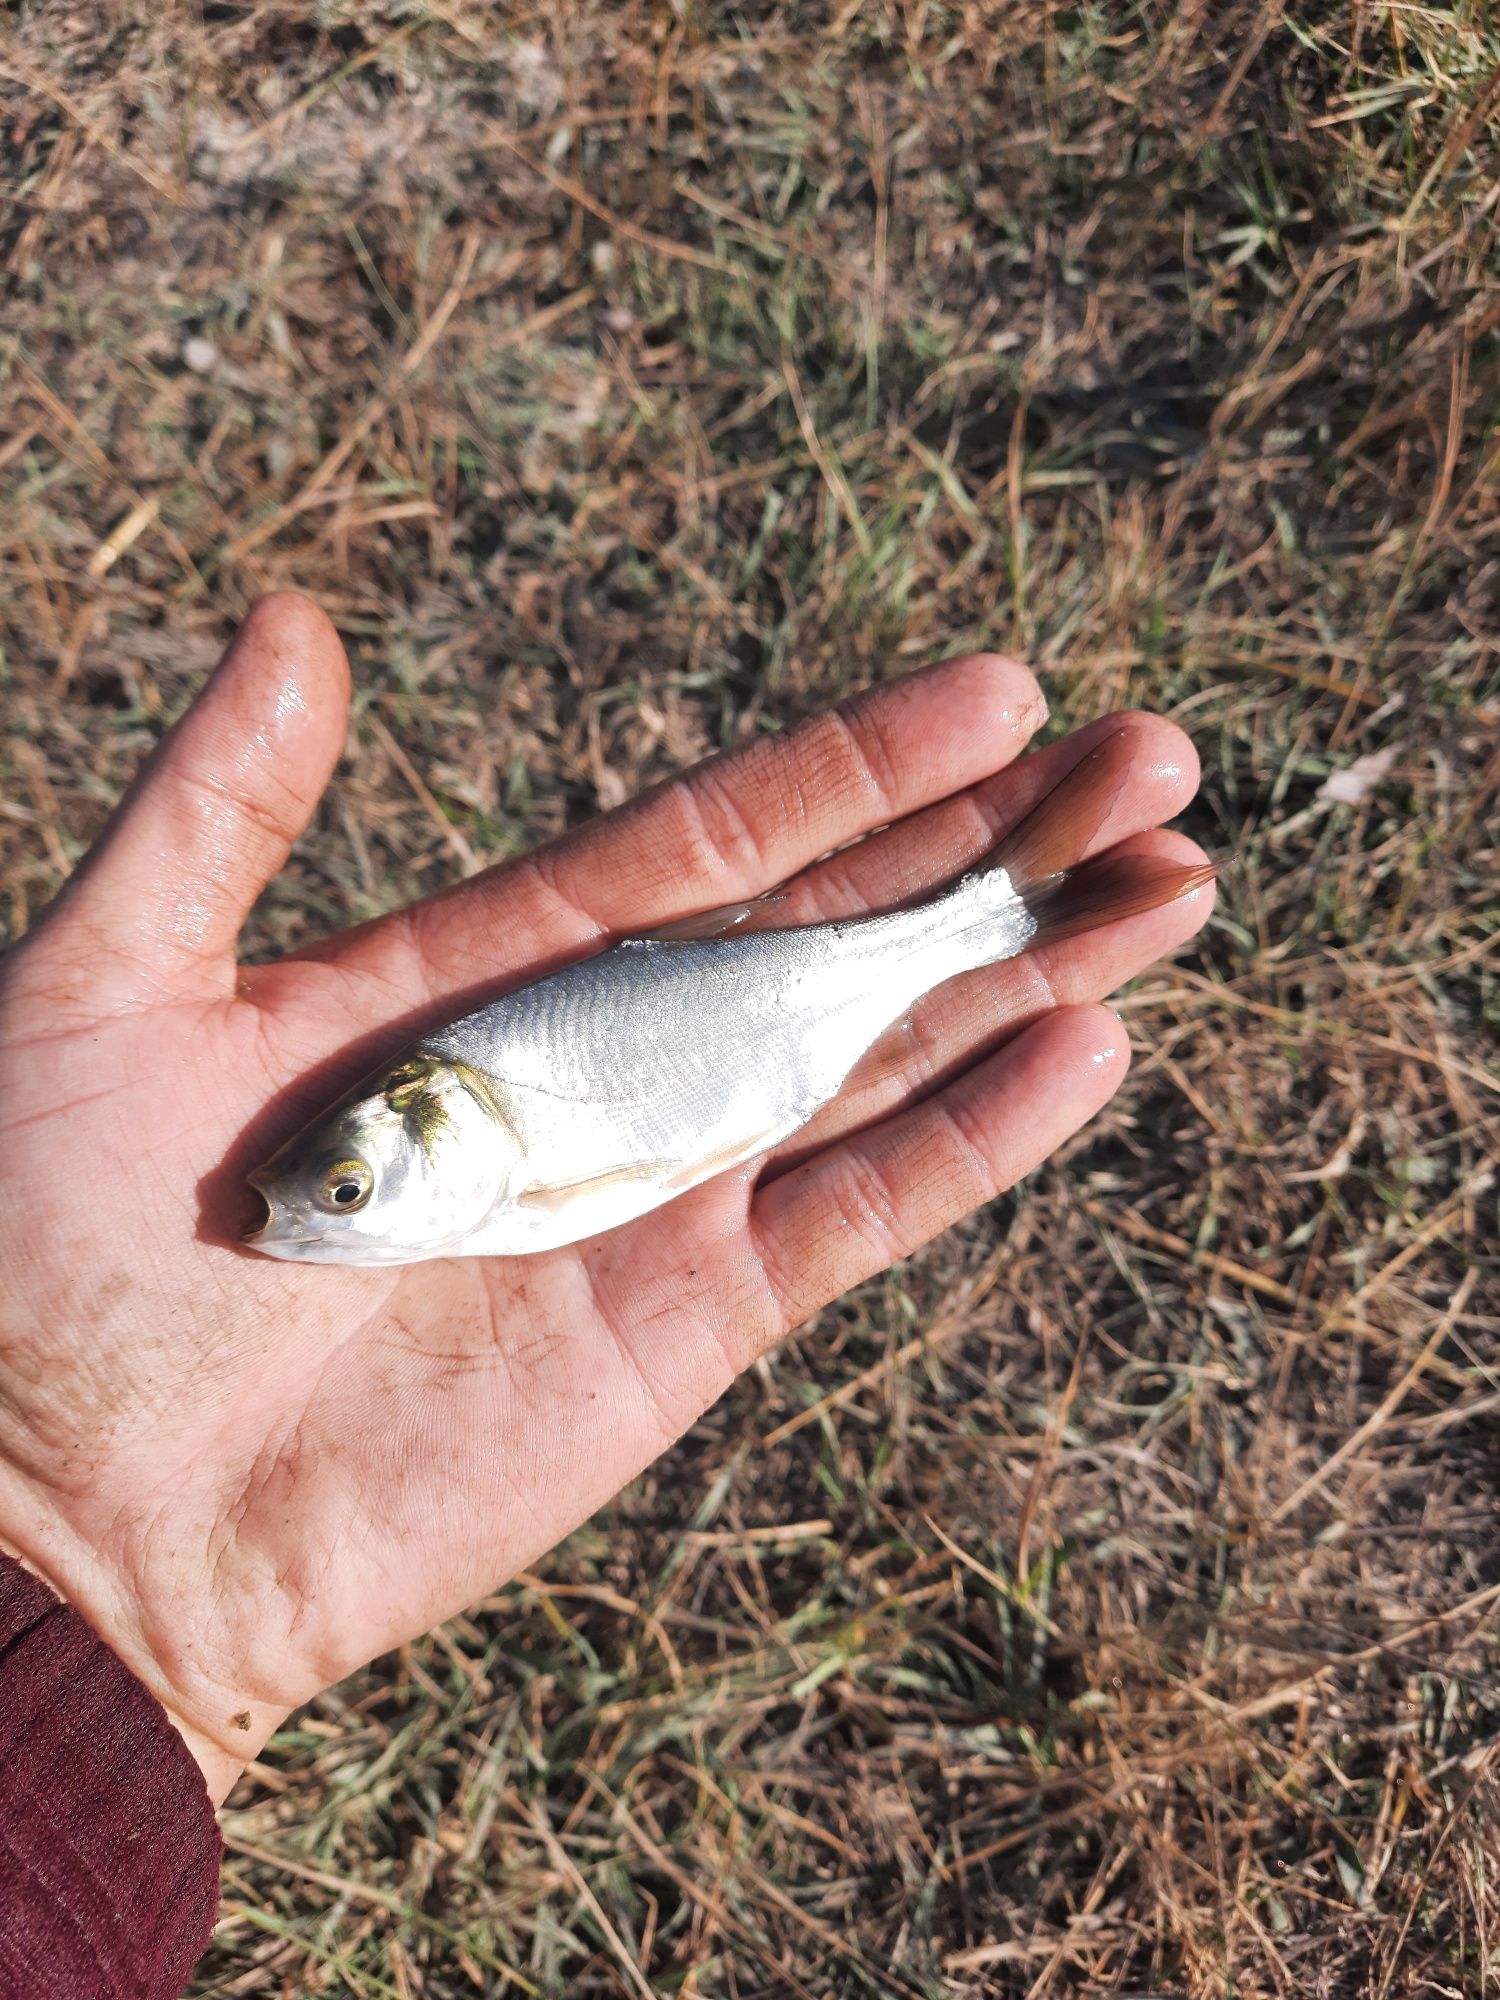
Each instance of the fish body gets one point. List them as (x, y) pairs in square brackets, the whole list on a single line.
[(582, 1101), (634, 1075)]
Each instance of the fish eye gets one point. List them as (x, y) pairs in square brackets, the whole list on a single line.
[(346, 1186)]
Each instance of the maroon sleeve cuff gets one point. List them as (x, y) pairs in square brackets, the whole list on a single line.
[(109, 1849)]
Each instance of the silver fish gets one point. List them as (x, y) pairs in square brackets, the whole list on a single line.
[(580, 1102)]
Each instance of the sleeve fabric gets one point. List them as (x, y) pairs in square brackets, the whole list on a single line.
[(109, 1848)]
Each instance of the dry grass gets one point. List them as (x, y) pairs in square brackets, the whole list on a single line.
[(1106, 1602)]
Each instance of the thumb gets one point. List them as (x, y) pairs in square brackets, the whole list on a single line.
[(154, 912)]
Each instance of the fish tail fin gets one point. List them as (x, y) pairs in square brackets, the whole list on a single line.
[(1065, 822), (1039, 861), (1104, 890)]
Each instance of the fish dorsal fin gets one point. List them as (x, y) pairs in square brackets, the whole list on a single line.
[(729, 919)]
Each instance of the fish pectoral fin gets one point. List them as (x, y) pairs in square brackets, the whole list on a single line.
[(673, 1176), (562, 1193), (695, 1172)]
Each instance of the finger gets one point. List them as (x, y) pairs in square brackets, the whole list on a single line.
[(156, 909), (733, 827), (872, 1199), (950, 1029)]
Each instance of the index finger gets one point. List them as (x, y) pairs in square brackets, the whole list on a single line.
[(729, 828)]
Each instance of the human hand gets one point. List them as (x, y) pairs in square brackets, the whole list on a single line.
[(251, 1477)]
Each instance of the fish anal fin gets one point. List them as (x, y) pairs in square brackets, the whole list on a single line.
[(894, 1053)]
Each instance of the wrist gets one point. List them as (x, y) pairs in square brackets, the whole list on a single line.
[(220, 1758), (112, 1853)]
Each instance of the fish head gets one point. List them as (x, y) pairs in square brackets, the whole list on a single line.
[(403, 1167)]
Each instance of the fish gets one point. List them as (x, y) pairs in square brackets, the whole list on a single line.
[(588, 1098)]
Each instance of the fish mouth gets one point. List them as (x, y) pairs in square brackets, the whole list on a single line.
[(260, 1216), (272, 1227)]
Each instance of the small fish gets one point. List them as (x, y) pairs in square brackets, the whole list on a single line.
[(580, 1102)]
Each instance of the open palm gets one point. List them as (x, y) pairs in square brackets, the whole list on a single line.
[(252, 1476)]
